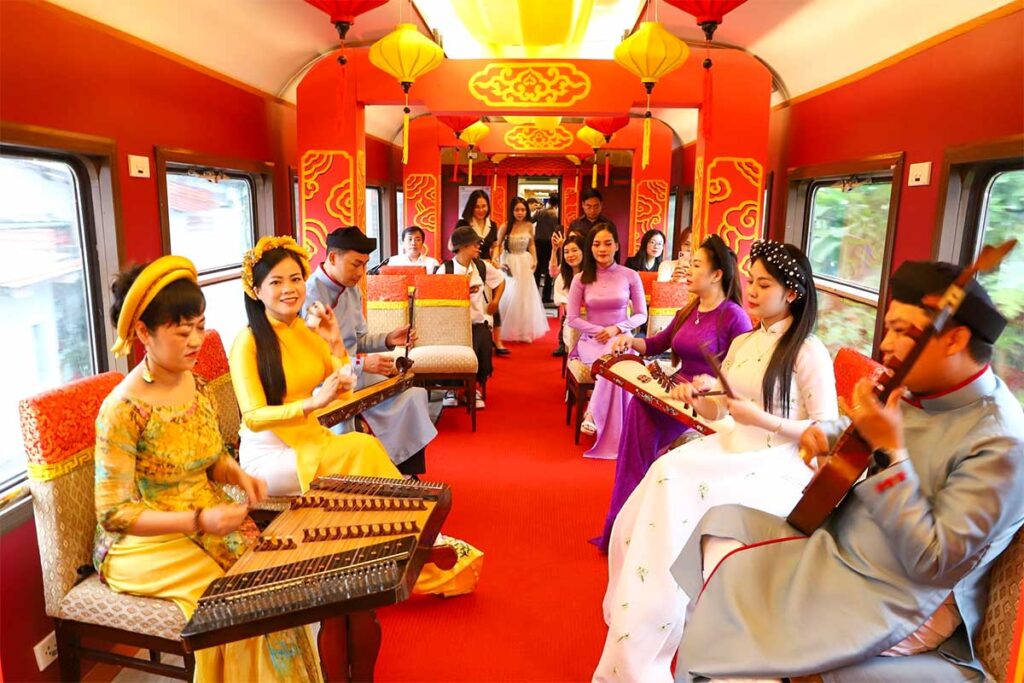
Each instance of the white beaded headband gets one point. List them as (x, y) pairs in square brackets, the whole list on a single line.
[(776, 254)]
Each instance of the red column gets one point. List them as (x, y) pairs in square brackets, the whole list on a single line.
[(648, 208), (421, 180)]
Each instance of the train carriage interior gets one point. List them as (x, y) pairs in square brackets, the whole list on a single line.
[(867, 134)]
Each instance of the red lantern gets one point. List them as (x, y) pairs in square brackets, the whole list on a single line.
[(709, 13), (344, 12), (458, 123), (608, 125)]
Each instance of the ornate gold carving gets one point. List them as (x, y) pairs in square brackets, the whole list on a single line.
[(740, 219), (549, 84), (336, 170), (531, 138), (421, 200)]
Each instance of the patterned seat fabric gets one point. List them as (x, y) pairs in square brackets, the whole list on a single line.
[(580, 371), (93, 603), (666, 300), (850, 365), (443, 359), (998, 642), (387, 301), (442, 310), (59, 431)]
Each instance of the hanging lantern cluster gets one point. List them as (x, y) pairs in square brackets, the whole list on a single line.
[(607, 126), (595, 139), (406, 54), (649, 53), (709, 15), (471, 135)]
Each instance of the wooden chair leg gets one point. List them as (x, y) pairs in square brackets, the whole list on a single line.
[(581, 405), (190, 665), (68, 642), (569, 399), (471, 400)]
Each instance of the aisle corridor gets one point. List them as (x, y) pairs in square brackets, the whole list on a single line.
[(525, 496)]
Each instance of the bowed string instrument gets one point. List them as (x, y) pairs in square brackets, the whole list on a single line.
[(851, 455)]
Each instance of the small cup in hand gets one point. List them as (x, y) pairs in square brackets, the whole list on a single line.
[(314, 315)]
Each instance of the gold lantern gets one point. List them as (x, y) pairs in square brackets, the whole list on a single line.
[(471, 135), (650, 53), (595, 139), (406, 54)]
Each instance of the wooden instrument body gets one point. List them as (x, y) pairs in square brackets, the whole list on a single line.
[(830, 484), (308, 580), (629, 372), (339, 411)]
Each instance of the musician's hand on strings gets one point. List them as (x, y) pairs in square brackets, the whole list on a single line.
[(337, 383), (221, 520), (397, 337), (379, 364), (622, 343), (254, 487), (690, 392), (607, 333), (746, 412), (813, 444), (880, 425)]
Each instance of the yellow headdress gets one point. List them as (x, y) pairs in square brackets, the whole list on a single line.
[(147, 285), (253, 256)]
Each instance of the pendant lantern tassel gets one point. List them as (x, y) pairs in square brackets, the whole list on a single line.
[(455, 167), (593, 171), (646, 155), (607, 156), (405, 125), (469, 179)]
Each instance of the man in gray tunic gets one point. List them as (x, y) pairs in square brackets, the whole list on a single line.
[(894, 585), (402, 423)]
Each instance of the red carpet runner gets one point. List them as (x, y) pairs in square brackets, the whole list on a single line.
[(523, 494)]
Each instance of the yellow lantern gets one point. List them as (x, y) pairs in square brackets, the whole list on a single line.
[(471, 135), (595, 139), (406, 54), (650, 53)]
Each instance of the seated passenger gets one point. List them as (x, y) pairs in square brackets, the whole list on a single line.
[(166, 527), (894, 585), (675, 271), (714, 319), (486, 285), (783, 379), (571, 251), (402, 422), (647, 258), (606, 290), (414, 252), (276, 364)]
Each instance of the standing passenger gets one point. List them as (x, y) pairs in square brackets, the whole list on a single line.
[(521, 307), (592, 202), (477, 215)]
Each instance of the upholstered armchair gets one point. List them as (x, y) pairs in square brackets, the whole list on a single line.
[(387, 301), (410, 272), (59, 431), (443, 353), (666, 300)]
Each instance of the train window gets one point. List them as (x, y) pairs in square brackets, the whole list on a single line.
[(1002, 218), (296, 206), (211, 216), (47, 303), (374, 221), (847, 226), (400, 210)]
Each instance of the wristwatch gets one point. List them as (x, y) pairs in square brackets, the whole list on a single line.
[(882, 458)]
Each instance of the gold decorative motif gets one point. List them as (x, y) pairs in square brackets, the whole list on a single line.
[(531, 138), (570, 200), (341, 204), (360, 215), (650, 209), (550, 84), (697, 229), (739, 222), (421, 200), (314, 165), (719, 190)]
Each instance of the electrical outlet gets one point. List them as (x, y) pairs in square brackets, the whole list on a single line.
[(46, 651)]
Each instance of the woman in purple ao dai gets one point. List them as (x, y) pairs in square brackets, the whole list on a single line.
[(716, 319), (606, 291)]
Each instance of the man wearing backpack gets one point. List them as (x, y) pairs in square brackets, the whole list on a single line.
[(486, 285)]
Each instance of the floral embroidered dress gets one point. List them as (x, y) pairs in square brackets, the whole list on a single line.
[(644, 606), (157, 458)]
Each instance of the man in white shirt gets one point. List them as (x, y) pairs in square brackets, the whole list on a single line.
[(414, 252), (486, 285)]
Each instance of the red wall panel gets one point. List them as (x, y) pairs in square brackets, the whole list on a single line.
[(964, 90)]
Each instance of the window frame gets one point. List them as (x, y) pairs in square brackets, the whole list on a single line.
[(383, 230), (803, 180), (93, 159)]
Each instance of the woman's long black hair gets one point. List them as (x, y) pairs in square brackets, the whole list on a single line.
[(268, 348), (589, 271), (511, 220), (641, 253), (564, 268), (805, 314), (467, 210), (720, 257)]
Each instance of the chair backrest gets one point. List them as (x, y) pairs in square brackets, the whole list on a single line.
[(666, 300), (212, 367), (999, 641), (59, 431), (850, 365), (387, 302), (442, 310), (648, 279), (409, 272)]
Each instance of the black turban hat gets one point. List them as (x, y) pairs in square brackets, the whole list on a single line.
[(351, 239), (915, 280)]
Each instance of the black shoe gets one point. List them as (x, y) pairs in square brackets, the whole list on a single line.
[(502, 352), (559, 352)]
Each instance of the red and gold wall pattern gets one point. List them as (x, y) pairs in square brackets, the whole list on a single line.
[(551, 84), (533, 139), (735, 192), (422, 205), (650, 199), (333, 187)]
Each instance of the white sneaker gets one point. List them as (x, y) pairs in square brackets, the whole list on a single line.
[(479, 400), (450, 400)]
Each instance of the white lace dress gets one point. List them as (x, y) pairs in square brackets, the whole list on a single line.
[(522, 314), (644, 607)]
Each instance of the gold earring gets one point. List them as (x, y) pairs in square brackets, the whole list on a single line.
[(147, 377)]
